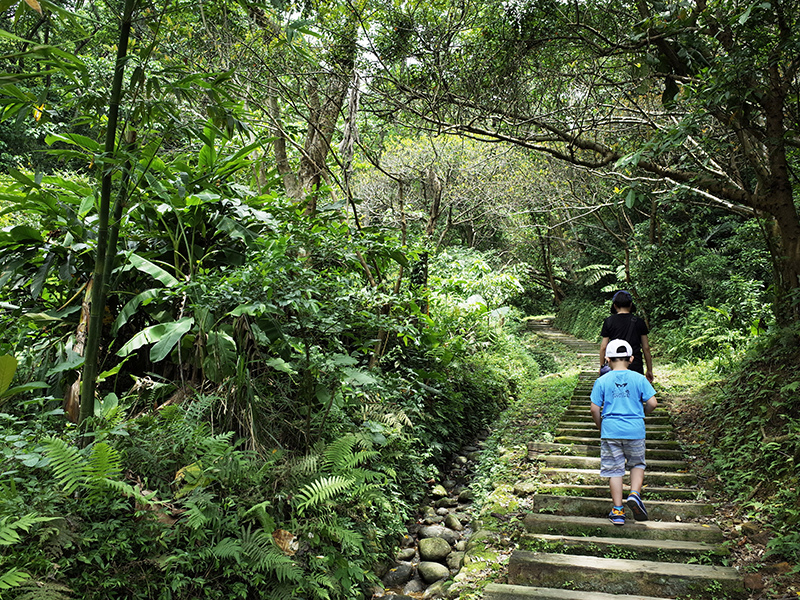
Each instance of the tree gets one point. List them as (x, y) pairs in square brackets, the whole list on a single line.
[(693, 97)]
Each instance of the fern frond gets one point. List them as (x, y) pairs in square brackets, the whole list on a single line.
[(8, 533), (43, 590), (262, 556), (228, 548), (358, 458), (104, 462), (13, 578), (67, 463), (306, 465), (321, 490), (339, 452)]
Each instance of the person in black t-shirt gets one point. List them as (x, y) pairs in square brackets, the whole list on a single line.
[(622, 324)]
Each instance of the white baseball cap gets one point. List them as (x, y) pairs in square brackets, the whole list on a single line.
[(618, 349)]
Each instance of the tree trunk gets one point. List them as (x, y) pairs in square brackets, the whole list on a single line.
[(98, 301)]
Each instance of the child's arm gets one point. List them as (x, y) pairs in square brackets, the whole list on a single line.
[(650, 405), (596, 414)]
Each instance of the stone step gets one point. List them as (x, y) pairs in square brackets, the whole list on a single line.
[(648, 492), (503, 591), (637, 549), (583, 411), (592, 477), (535, 448), (650, 426), (621, 576), (594, 432), (593, 462), (595, 441), (601, 526), (659, 510)]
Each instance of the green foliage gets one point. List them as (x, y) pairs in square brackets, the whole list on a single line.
[(581, 318), (756, 438)]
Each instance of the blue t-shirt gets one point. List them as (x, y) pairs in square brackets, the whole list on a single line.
[(622, 395)]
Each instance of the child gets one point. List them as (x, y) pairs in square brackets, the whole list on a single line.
[(620, 400)]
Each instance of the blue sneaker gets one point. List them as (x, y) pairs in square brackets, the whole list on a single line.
[(636, 505), (617, 516)]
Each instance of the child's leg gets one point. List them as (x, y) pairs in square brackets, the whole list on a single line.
[(637, 480), (615, 483)]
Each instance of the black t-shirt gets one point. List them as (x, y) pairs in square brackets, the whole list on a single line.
[(617, 326)]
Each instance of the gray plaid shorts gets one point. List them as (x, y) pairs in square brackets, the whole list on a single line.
[(617, 455)]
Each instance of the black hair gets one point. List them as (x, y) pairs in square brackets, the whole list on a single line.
[(622, 299), (625, 358)]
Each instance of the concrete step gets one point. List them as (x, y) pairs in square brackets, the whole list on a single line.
[(535, 448), (594, 432), (658, 510), (593, 462), (649, 492), (601, 526), (650, 426), (595, 441), (502, 591), (592, 477), (619, 576), (583, 412), (634, 549)]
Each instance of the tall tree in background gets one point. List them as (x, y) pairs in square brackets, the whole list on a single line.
[(694, 97)]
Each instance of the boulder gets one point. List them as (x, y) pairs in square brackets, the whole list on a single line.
[(434, 549), (455, 560), (446, 502), (406, 554), (415, 586), (432, 571), (466, 495), (439, 491), (450, 536), (399, 575), (453, 522)]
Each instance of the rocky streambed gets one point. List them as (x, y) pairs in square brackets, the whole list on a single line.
[(434, 549)]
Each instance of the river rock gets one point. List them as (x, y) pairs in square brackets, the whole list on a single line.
[(467, 449), (435, 549), (453, 522), (437, 531), (466, 495), (461, 460), (442, 512), (399, 575), (434, 520), (455, 560), (461, 545), (438, 491), (428, 511), (437, 590), (406, 554), (446, 502), (415, 586), (432, 571)]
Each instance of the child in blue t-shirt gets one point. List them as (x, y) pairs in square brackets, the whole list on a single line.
[(620, 400)]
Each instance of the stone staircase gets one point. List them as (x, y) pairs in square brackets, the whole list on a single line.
[(575, 553)]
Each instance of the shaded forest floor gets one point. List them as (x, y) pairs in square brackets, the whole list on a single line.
[(505, 472)]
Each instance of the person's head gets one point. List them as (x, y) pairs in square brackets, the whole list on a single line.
[(622, 299), (619, 354)]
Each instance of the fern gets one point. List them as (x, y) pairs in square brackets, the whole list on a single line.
[(43, 590), (13, 578), (8, 528), (262, 556), (321, 490), (67, 463), (228, 548), (339, 452)]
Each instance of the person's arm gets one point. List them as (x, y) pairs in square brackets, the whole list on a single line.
[(596, 414), (648, 360), (650, 405), (603, 345)]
